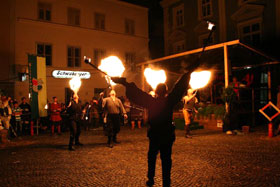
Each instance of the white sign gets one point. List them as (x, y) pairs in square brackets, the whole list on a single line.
[(63, 74)]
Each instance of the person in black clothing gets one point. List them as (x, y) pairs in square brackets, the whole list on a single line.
[(75, 114), (26, 115), (161, 131)]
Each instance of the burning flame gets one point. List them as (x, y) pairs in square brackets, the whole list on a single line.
[(154, 77), (113, 66), (75, 84), (199, 79)]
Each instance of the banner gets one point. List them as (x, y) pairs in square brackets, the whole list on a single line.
[(37, 86)]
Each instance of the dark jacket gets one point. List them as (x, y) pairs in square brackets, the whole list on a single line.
[(75, 111), (160, 110)]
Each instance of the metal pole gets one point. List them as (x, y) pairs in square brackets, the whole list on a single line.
[(226, 71)]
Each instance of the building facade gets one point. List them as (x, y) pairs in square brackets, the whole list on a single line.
[(255, 22), (64, 32)]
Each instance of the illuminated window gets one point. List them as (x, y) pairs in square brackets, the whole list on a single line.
[(98, 55), (251, 33), (99, 21), (130, 60), (73, 57), (44, 11), (129, 26), (73, 16), (178, 14), (45, 50)]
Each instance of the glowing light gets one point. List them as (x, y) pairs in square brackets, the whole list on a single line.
[(113, 66), (75, 84), (46, 106), (199, 79), (154, 77)]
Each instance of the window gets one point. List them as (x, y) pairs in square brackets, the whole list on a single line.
[(45, 50), (98, 55), (130, 60), (178, 14), (179, 46), (74, 57), (99, 21), (129, 26), (44, 11), (73, 16), (263, 88), (206, 8), (251, 33)]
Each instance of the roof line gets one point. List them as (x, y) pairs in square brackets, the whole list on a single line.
[(211, 47), (234, 42)]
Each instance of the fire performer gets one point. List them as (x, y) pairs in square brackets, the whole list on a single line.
[(113, 108), (189, 107), (75, 113), (55, 118), (161, 131)]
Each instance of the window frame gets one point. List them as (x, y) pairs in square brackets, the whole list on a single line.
[(200, 9), (130, 60), (73, 50), (45, 7), (97, 59), (44, 52), (176, 17), (72, 13), (250, 23), (129, 26), (101, 24), (181, 44)]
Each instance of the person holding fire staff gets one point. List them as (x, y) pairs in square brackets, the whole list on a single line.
[(189, 107), (161, 131), (113, 108), (75, 114), (55, 118)]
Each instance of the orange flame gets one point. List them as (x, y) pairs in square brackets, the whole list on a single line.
[(113, 66), (75, 84), (199, 79), (154, 77)]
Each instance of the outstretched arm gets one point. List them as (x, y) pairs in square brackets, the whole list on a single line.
[(133, 93)]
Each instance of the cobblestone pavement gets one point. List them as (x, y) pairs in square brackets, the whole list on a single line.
[(208, 159)]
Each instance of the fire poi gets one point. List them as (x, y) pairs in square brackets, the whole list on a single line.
[(154, 77), (75, 84), (199, 79), (113, 67)]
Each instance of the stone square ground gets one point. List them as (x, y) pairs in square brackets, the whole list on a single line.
[(210, 158)]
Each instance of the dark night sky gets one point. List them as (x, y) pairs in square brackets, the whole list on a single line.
[(156, 43)]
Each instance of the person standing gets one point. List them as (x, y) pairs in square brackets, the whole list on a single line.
[(16, 118), (75, 114), (189, 107), (161, 131), (113, 109), (55, 118), (26, 114)]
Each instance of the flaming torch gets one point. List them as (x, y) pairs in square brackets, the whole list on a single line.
[(154, 77), (199, 79), (75, 84), (113, 67)]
